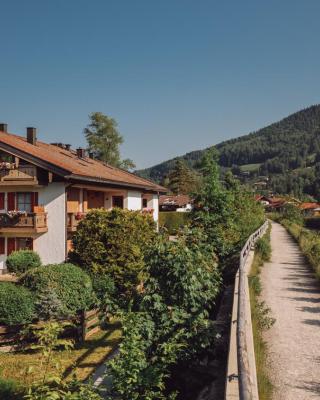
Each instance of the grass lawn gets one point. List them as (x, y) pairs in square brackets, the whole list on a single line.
[(250, 167), (81, 361)]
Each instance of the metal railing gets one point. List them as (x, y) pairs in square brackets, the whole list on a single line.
[(247, 374), (241, 351)]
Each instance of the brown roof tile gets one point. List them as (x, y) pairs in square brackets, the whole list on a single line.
[(76, 167)]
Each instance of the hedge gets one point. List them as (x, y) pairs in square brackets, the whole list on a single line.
[(114, 243), (173, 220), (16, 304), (60, 289), (22, 260)]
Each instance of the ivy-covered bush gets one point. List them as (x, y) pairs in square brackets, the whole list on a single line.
[(21, 261), (16, 304), (114, 243), (59, 289)]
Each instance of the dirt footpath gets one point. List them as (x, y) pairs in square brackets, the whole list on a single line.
[(293, 294)]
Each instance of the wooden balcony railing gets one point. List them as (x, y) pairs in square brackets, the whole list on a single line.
[(23, 223), (73, 220), (21, 174)]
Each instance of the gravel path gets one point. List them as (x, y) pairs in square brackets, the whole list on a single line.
[(293, 294)]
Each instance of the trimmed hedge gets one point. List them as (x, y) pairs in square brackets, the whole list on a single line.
[(16, 304), (60, 289), (173, 220), (114, 243), (22, 260)]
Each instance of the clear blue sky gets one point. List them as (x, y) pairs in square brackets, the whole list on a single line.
[(177, 75)]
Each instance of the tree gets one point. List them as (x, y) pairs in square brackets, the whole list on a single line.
[(104, 140), (182, 180)]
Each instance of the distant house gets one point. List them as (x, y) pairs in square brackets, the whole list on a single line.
[(180, 203), (271, 203), (310, 209)]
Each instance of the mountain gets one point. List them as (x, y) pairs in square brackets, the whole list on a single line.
[(282, 151)]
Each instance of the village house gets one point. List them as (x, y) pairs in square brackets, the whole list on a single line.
[(179, 203), (46, 189)]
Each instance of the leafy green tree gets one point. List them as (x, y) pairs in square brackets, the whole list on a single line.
[(182, 180), (104, 140)]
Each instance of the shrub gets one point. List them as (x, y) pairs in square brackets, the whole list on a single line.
[(114, 243), (68, 285), (105, 290), (173, 221), (16, 304), (22, 260), (10, 390)]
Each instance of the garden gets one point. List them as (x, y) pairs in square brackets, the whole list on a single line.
[(157, 300)]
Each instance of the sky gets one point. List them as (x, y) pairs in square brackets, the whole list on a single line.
[(177, 75)]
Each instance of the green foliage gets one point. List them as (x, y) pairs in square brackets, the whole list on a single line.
[(114, 243), (66, 284), (104, 140), (263, 247), (20, 261), (16, 304), (182, 179), (105, 290), (173, 221), (227, 214), (10, 390), (173, 322), (293, 214)]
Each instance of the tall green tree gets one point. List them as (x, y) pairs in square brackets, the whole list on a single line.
[(182, 180), (104, 140)]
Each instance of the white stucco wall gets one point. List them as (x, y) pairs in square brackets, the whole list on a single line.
[(51, 246), (3, 257), (154, 203), (133, 200)]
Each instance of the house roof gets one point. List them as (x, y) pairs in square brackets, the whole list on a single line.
[(309, 206), (179, 200), (66, 163)]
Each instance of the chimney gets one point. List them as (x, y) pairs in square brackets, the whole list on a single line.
[(68, 147), (3, 127), (32, 135), (81, 153)]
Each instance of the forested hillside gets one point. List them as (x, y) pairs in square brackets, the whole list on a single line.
[(287, 152)]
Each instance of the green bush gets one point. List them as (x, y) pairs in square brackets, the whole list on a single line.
[(60, 289), (10, 390), (16, 304), (114, 243), (173, 221), (22, 260)]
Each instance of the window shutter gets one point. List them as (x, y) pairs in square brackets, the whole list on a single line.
[(2, 245), (11, 245), (1, 201), (34, 200), (11, 201)]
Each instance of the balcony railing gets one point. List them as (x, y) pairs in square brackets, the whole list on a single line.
[(73, 220), (21, 174), (17, 222)]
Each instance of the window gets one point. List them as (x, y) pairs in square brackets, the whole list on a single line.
[(24, 244), (24, 202), (144, 203), (117, 201)]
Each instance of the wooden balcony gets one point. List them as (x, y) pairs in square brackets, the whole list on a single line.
[(28, 223), (23, 175), (73, 220)]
